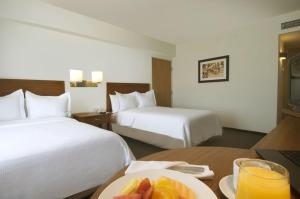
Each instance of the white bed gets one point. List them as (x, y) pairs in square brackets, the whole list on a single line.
[(56, 157), (167, 127)]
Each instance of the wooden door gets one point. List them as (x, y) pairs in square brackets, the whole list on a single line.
[(161, 81)]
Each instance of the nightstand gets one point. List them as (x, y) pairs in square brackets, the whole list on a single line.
[(102, 120)]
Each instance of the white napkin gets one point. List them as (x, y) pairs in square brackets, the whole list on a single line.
[(136, 166)]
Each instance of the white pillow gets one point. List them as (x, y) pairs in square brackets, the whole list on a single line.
[(115, 106), (127, 101), (146, 99), (12, 106), (47, 106)]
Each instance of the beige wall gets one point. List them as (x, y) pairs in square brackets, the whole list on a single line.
[(43, 15), (39, 41), (249, 100)]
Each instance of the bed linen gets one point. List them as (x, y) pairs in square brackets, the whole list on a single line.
[(56, 157), (168, 127)]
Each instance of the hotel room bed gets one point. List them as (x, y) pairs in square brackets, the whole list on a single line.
[(47, 157), (168, 127), (164, 127), (56, 157)]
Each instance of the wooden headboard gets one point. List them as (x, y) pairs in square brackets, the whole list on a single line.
[(111, 87), (39, 87)]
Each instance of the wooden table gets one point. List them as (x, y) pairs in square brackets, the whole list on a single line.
[(219, 160), (285, 136)]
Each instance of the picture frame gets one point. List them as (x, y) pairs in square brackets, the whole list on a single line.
[(213, 69)]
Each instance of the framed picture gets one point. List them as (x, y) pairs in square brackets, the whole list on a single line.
[(214, 69)]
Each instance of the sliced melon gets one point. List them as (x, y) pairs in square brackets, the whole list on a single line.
[(131, 187), (180, 189)]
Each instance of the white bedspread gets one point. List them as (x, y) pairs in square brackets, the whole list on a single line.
[(57, 157), (188, 125)]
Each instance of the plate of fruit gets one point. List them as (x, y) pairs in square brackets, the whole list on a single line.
[(157, 184)]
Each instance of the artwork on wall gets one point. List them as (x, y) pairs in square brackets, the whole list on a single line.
[(214, 69)]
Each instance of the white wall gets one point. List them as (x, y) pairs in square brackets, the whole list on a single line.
[(44, 50), (41, 14), (249, 100)]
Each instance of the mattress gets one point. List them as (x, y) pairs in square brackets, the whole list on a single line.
[(168, 127), (56, 157)]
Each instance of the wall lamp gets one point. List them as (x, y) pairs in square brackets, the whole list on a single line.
[(283, 55), (76, 79)]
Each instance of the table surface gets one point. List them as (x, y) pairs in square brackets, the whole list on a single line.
[(285, 136), (219, 160)]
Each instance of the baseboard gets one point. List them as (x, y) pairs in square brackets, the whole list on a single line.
[(248, 131)]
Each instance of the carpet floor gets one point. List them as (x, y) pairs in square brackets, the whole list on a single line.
[(230, 138)]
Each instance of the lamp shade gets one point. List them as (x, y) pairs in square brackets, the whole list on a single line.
[(76, 76), (97, 76)]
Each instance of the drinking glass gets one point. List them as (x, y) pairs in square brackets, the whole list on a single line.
[(261, 179)]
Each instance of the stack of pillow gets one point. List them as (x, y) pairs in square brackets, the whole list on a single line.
[(121, 102), (15, 107)]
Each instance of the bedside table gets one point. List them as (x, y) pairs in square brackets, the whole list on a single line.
[(102, 120)]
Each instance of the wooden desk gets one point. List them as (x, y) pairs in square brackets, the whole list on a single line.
[(285, 136)]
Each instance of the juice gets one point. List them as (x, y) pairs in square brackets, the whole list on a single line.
[(262, 183)]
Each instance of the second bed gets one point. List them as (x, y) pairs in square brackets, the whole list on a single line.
[(164, 127)]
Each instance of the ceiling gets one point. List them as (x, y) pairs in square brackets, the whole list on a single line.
[(177, 21)]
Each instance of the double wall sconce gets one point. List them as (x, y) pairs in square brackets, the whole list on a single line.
[(76, 79)]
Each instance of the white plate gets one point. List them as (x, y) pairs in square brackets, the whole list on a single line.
[(226, 186), (200, 189)]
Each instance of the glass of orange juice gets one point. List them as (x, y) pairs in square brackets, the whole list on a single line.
[(261, 179)]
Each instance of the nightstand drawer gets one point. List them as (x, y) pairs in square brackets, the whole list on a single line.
[(91, 121), (102, 118), (95, 119)]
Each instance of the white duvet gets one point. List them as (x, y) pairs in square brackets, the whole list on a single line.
[(55, 158), (189, 126)]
